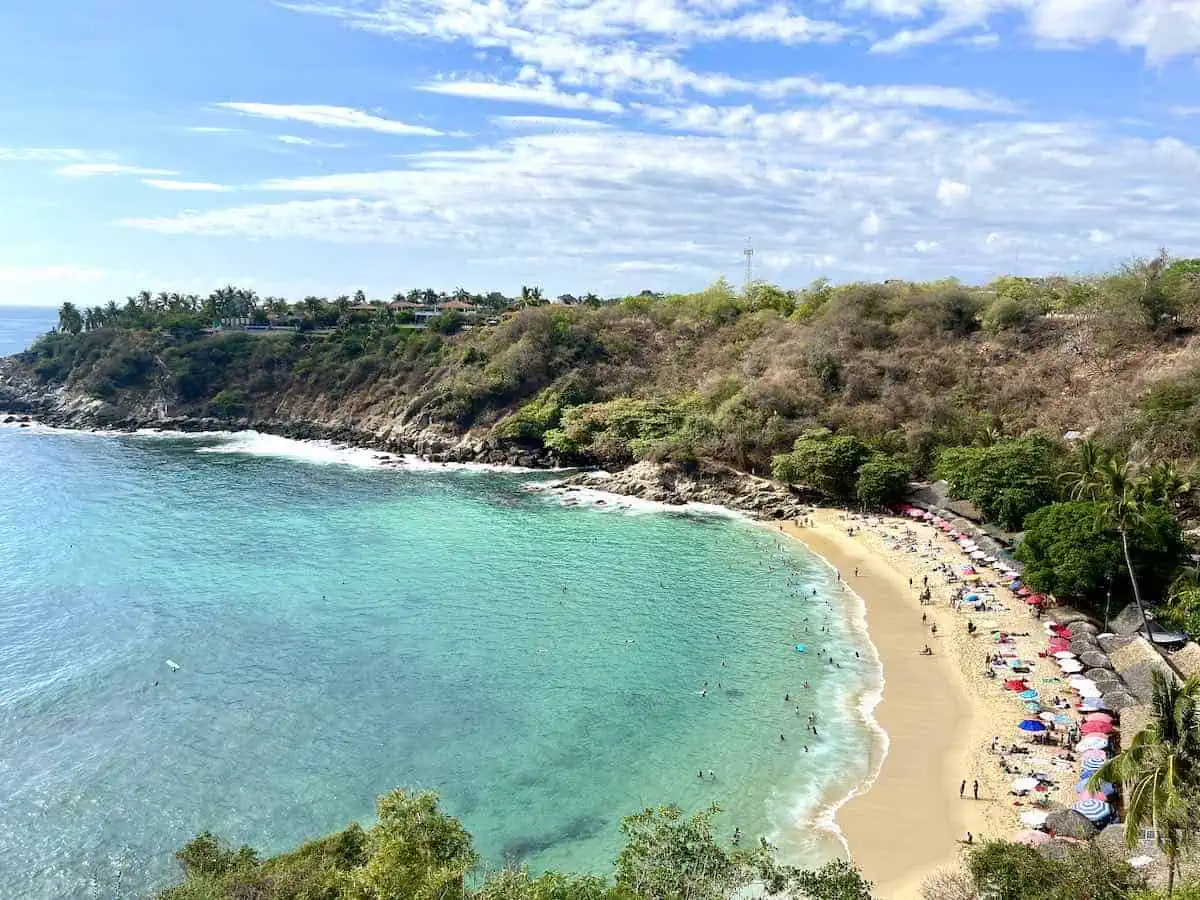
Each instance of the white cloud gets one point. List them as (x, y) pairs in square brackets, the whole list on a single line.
[(22, 276), (554, 123), (1161, 29), (806, 177), (952, 193), (1184, 112), (542, 94), (329, 117), (87, 170), (212, 129), (40, 154), (167, 184), (1099, 236)]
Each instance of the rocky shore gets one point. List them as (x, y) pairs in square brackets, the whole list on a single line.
[(24, 400)]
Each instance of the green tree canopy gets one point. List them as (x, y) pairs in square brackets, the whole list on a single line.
[(823, 461), (882, 481), (1005, 871), (1071, 551), (1005, 481)]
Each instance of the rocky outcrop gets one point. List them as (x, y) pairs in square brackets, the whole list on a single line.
[(708, 483), (23, 397)]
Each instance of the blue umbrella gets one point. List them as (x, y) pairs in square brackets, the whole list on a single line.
[(1092, 765), (1094, 810), (1033, 726), (1104, 788), (1028, 695)]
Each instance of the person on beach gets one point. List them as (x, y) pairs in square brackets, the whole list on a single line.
[(781, 737), (976, 789), (962, 789)]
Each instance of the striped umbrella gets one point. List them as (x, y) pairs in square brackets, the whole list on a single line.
[(1090, 767), (1093, 742), (1093, 810), (1089, 755), (1103, 788)]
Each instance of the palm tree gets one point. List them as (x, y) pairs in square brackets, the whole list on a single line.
[(70, 320), (1165, 484), (1160, 771), (1123, 499), (1084, 481)]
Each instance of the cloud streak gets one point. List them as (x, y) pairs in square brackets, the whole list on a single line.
[(329, 117)]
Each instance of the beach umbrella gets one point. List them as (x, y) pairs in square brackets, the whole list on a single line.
[(1014, 684), (1059, 646), (1093, 742), (1093, 810), (1104, 789), (1034, 818), (1024, 785), (1098, 717), (1091, 690), (1070, 665), (1096, 728), (1033, 726), (1048, 717), (1063, 654), (1088, 769), (1023, 592), (1069, 823), (1032, 838), (1028, 695), (1089, 755)]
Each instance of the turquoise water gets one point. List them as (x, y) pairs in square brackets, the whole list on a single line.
[(343, 629)]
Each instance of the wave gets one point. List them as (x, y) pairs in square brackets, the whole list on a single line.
[(607, 501)]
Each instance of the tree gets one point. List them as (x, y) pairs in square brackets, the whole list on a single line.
[(1082, 480), (1005, 871), (414, 852), (70, 321), (882, 481), (1006, 481), (1125, 511), (1160, 771), (1071, 550), (823, 461)]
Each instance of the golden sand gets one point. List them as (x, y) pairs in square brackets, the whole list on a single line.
[(940, 712)]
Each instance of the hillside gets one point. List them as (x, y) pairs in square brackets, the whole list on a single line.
[(719, 375)]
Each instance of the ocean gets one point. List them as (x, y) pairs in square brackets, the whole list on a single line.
[(343, 627)]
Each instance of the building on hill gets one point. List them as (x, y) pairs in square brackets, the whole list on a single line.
[(564, 300)]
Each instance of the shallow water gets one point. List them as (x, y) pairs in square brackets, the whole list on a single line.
[(344, 628)]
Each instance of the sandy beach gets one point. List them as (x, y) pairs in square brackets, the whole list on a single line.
[(940, 712)]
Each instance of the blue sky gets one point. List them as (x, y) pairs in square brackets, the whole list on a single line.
[(319, 146)]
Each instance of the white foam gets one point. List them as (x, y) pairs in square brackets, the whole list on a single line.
[(593, 498), (254, 443)]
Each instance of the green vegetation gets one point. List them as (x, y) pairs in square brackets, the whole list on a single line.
[(1002, 871), (1005, 481), (1160, 772), (416, 852), (1070, 551), (851, 389)]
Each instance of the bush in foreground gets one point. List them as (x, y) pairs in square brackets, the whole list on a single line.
[(416, 852)]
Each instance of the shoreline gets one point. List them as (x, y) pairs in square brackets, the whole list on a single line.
[(904, 821)]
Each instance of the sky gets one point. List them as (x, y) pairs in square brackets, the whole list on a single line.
[(321, 146)]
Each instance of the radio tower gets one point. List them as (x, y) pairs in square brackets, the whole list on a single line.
[(749, 251)]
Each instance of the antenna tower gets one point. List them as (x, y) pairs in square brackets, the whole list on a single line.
[(749, 252)]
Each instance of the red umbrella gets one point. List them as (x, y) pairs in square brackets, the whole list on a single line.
[(1098, 717), (1014, 685), (1096, 728), (1036, 599), (1058, 646)]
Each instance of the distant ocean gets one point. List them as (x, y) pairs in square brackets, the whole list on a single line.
[(343, 628)]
